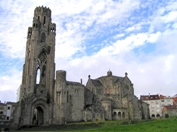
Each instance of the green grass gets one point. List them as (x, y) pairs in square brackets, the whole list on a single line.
[(158, 125)]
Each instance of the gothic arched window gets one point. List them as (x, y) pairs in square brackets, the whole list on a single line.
[(38, 74), (43, 37), (38, 17), (44, 20), (42, 56)]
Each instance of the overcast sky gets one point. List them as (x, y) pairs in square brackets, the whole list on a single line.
[(134, 36)]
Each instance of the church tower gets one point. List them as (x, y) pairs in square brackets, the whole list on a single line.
[(36, 96)]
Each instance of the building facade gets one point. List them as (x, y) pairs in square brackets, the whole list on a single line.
[(2, 113), (10, 108), (169, 111), (46, 100), (156, 104), (6, 112)]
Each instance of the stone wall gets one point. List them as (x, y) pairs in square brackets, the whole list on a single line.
[(145, 110), (169, 112), (57, 101)]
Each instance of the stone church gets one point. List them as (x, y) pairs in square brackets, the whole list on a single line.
[(47, 97)]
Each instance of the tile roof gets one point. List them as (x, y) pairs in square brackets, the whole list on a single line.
[(149, 97), (2, 103)]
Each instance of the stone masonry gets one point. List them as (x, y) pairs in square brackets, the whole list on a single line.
[(46, 100)]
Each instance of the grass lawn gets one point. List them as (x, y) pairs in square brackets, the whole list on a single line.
[(158, 125)]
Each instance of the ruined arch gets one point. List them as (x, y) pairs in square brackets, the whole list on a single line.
[(153, 116), (41, 67), (114, 115), (158, 115), (119, 115), (38, 72), (39, 111), (38, 116)]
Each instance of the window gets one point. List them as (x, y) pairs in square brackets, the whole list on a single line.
[(8, 107), (166, 115), (38, 76), (7, 118), (42, 57), (1, 112), (1, 108), (158, 115), (168, 100), (43, 37), (44, 20), (67, 97)]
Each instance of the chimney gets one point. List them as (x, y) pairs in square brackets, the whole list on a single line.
[(81, 80)]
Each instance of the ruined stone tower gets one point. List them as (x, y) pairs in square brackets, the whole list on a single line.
[(37, 86), (45, 100)]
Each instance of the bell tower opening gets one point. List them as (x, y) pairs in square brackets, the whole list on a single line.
[(38, 116), (44, 20)]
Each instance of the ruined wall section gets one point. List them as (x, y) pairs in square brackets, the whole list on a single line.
[(107, 104), (69, 99), (137, 114), (59, 97), (145, 110), (88, 97), (76, 100)]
